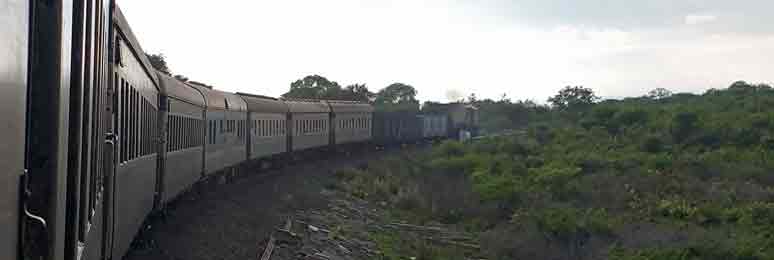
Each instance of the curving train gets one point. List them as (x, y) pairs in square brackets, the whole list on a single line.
[(94, 139)]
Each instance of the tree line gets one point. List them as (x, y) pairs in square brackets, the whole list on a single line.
[(318, 87)]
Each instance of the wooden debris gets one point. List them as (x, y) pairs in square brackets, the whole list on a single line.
[(269, 248)]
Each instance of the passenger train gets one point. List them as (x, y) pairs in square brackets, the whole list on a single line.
[(94, 140)]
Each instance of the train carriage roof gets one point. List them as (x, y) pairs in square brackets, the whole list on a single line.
[(126, 32), (258, 103), (307, 106), (174, 88), (217, 99), (350, 107)]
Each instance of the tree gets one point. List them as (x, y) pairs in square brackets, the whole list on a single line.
[(358, 92), (659, 93), (314, 87), (683, 125), (159, 63), (573, 97), (740, 85), (397, 93)]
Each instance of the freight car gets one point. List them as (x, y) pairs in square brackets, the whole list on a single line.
[(95, 140)]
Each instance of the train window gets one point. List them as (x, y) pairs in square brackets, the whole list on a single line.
[(213, 131), (188, 132)]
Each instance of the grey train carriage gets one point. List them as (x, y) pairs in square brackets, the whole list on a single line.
[(183, 125), (73, 152), (308, 124), (226, 135), (267, 127), (352, 122)]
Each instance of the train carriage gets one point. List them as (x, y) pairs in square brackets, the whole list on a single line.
[(352, 121), (182, 156), (226, 135), (396, 127), (267, 126), (137, 94), (435, 125), (309, 124), (53, 103)]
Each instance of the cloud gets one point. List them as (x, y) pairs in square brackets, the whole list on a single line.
[(749, 16), (697, 19)]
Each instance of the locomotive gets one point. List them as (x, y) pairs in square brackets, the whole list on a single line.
[(94, 139)]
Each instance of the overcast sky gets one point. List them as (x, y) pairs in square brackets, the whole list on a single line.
[(527, 49)]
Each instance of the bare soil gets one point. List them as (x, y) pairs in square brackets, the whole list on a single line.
[(234, 220)]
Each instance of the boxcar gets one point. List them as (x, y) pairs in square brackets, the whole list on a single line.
[(309, 124), (352, 121), (267, 124), (182, 156), (226, 140)]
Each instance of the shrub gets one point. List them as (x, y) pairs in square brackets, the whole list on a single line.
[(632, 117), (683, 125), (570, 224), (652, 144)]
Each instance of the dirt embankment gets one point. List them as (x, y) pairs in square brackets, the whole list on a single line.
[(235, 220)]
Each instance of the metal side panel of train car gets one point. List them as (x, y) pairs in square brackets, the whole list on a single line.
[(397, 127), (183, 128), (226, 116), (136, 123), (434, 125), (267, 126), (352, 121), (309, 124), (66, 125), (14, 40)]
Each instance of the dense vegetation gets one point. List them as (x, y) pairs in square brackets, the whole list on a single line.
[(658, 177)]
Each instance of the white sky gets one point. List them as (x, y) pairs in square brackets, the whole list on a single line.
[(527, 49)]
